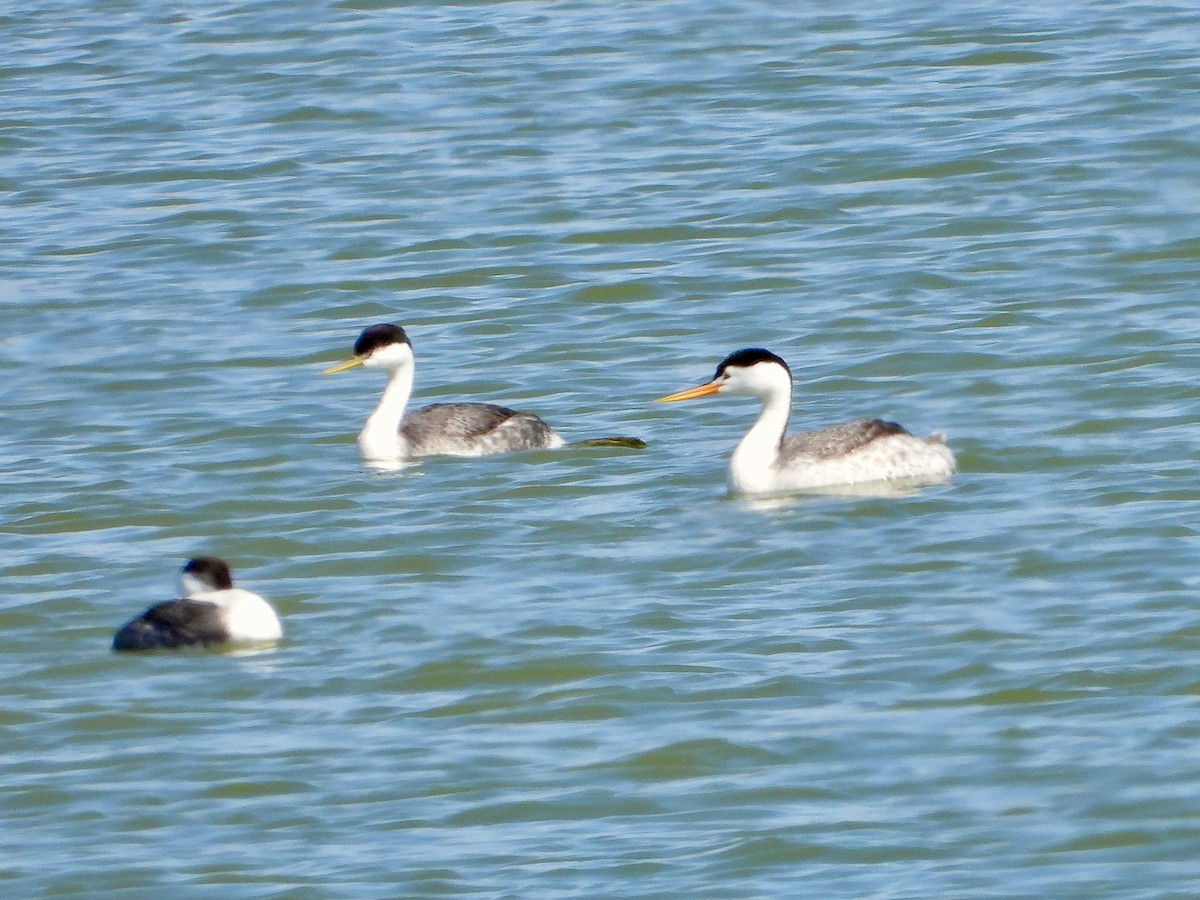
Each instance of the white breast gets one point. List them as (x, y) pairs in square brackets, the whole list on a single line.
[(248, 616)]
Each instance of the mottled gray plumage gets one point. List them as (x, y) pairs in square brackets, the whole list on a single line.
[(446, 427), (390, 436), (174, 624), (767, 461), (836, 440)]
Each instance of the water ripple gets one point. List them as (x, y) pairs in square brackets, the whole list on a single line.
[(591, 672)]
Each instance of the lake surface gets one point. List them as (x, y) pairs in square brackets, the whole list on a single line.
[(592, 672)]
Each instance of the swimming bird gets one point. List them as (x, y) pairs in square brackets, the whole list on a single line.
[(443, 429), (212, 611), (765, 461)]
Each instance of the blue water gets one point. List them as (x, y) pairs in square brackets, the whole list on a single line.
[(592, 672)]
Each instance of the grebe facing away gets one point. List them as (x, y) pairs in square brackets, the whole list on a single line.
[(212, 612), (766, 461), (443, 429)]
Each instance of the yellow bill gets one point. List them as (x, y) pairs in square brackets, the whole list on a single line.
[(343, 366), (691, 393)]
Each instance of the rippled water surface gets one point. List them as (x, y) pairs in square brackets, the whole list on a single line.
[(591, 672)]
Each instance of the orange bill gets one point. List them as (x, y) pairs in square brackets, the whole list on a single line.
[(343, 366), (691, 393)]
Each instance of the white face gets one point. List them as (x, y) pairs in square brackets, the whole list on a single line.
[(759, 380), (192, 585), (389, 357)]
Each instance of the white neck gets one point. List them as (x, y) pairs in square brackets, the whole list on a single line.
[(380, 438), (192, 585), (752, 462)]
